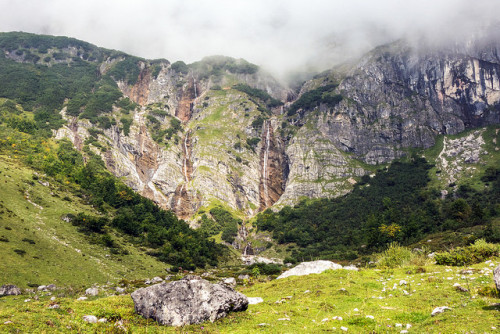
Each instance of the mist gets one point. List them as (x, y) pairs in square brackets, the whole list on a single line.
[(281, 36)]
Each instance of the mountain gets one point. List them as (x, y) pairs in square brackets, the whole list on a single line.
[(221, 134)]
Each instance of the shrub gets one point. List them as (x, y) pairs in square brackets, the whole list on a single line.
[(394, 257), (475, 253)]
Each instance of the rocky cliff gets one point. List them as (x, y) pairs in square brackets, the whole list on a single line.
[(213, 132)]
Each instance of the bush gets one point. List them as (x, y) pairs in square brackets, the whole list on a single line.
[(475, 253), (394, 257)]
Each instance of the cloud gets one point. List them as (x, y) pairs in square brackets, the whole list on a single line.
[(280, 35)]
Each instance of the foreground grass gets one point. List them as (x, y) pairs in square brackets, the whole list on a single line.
[(298, 305)]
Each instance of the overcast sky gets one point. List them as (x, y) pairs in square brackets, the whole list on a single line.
[(280, 35)]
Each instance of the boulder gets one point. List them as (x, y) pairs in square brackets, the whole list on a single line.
[(313, 267), (92, 292), (191, 300), (9, 290), (496, 277), (231, 281)]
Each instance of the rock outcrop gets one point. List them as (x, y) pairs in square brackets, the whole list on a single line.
[(191, 300), (313, 267)]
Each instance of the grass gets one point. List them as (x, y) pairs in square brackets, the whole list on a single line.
[(309, 304), (54, 251)]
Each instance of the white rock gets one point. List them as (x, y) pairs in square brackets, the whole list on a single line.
[(52, 298), (103, 320), (356, 310), (27, 300), (82, 298), (351, 267), (255, 300), (408, 326), (92, 292), (324, 320), (343, 328), (403, 331), (399, 325), (231, 281), (313, 267), (403, 282), (284, 319), (337, 318), (90, 319), (370, 317), (439, 310)]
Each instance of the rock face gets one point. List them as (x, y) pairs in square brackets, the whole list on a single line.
[(496, 277), (9, 290), (232, 149), (191, 300), (313, 267)]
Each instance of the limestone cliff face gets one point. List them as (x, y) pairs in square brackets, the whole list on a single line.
[(230, 151), (399, 96)]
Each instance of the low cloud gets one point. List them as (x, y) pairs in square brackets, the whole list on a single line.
[(279, 35)]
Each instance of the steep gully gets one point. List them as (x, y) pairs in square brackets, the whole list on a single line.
[(185, 202)]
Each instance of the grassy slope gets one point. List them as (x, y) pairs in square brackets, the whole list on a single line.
[(59, 254), (306, 302)]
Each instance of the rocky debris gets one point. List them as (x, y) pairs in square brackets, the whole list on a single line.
[(90, 319), (255, 300), (313, 267), (46, 288), (248, 260), (496, 277), (92, 292), (191, 300), (54, 306), (243, 277), (439, 310), (9, 290)]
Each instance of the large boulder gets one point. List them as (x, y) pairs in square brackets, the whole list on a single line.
[(313, 267), (9, 290), (496, 277), (191, 300)]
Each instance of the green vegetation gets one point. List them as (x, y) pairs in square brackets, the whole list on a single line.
[(314, 97), (223, 221), (393, 206), (218, 65), (475, 253), (380, 301), (269, 101), (126, 70)]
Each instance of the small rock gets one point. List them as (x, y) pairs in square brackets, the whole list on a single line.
[(343, 328), (231, 281), (324, 320), (156, 280), (398, 325), (337, 318), (351, 267), (284, 319), (459, 287), (55, 306), (243, 277), (370, 317), (90, 319), (51, 287), (403, 331), (307, 291), (103, 320), (119, 290), (8, 322), (92, 292), (408, 326), (27, 300), (9, 290), (42, 287), (356, 310), (263, 324), (255, 300), (439, 310), (402, 282), (52, 298), (82, 298)]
